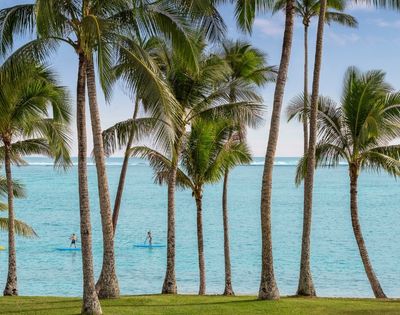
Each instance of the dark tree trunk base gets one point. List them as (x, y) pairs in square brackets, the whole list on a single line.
[(266, 293), (108, 288), (10, 290), (169, 286), (229, 291)]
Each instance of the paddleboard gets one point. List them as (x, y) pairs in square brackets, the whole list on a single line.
[(68, 249), (2, 248), (149, 246)]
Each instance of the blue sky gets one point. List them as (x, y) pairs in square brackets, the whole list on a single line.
[(375, 44)]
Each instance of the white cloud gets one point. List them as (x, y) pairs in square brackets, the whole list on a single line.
[(343, 39), (387, 24), (269, 27)]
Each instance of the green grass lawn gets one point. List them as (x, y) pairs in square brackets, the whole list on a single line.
[(186, 304)]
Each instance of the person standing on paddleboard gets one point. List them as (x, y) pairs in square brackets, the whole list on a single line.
[(148, 237), (73, 239)]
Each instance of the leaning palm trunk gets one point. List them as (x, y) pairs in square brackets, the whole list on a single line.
[(268, 287), (107, 285), (91, 304), (228, 273), (200, 243), (306, 285), (124, 169), (373, 280), (169, 285), (11, 285)]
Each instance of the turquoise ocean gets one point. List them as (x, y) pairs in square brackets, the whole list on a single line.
[(51, 207)]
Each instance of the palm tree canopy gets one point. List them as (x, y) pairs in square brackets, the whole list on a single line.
[(247, 63), (309, 9), (207, 154), (361, 130), (34, 115), (93, 27), (206, 93)]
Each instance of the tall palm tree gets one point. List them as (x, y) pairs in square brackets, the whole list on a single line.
[(245, 13), (359, 132), (268, 287), (205, 158), (26, 128), (89, 27), (307, 10), (306, 285), (201, 93), (249, 64)]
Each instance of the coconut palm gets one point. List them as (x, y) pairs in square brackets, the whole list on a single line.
[(89, 28), (249, 64), (360, 132), (26, 128), (245, 13), (205, 157), (199, 94), (306, 285), (307, 10)]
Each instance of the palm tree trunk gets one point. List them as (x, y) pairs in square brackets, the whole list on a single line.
[(268, 287), (122, 176), (107, 285), (306, 285), (11, 284), (169, 285), (373, 280), (91, 304), (228, 273), (305, 120), (200, 242)]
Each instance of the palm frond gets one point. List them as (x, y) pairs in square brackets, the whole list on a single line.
[(21, 228)]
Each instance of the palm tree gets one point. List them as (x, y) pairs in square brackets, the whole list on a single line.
[(89, 27), (200, 94), (249, 64), (359, 132), (25, 128), (307, 10), (245, 13), (306, 285), (205, 157)]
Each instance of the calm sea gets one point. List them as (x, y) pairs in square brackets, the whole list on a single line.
[(51, 207)]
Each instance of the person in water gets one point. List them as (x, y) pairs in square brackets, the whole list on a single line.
[(148, 237), (73, 239)]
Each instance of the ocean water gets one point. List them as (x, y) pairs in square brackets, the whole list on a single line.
[(51, 207)]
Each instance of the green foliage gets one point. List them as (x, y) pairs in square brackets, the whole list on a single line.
[(362, 129), (34, 114), (309, 9), (21, 228)]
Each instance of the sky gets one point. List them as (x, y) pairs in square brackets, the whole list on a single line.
[(375, 44)]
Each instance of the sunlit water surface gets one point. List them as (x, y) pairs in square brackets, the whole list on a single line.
[(51, 207)]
